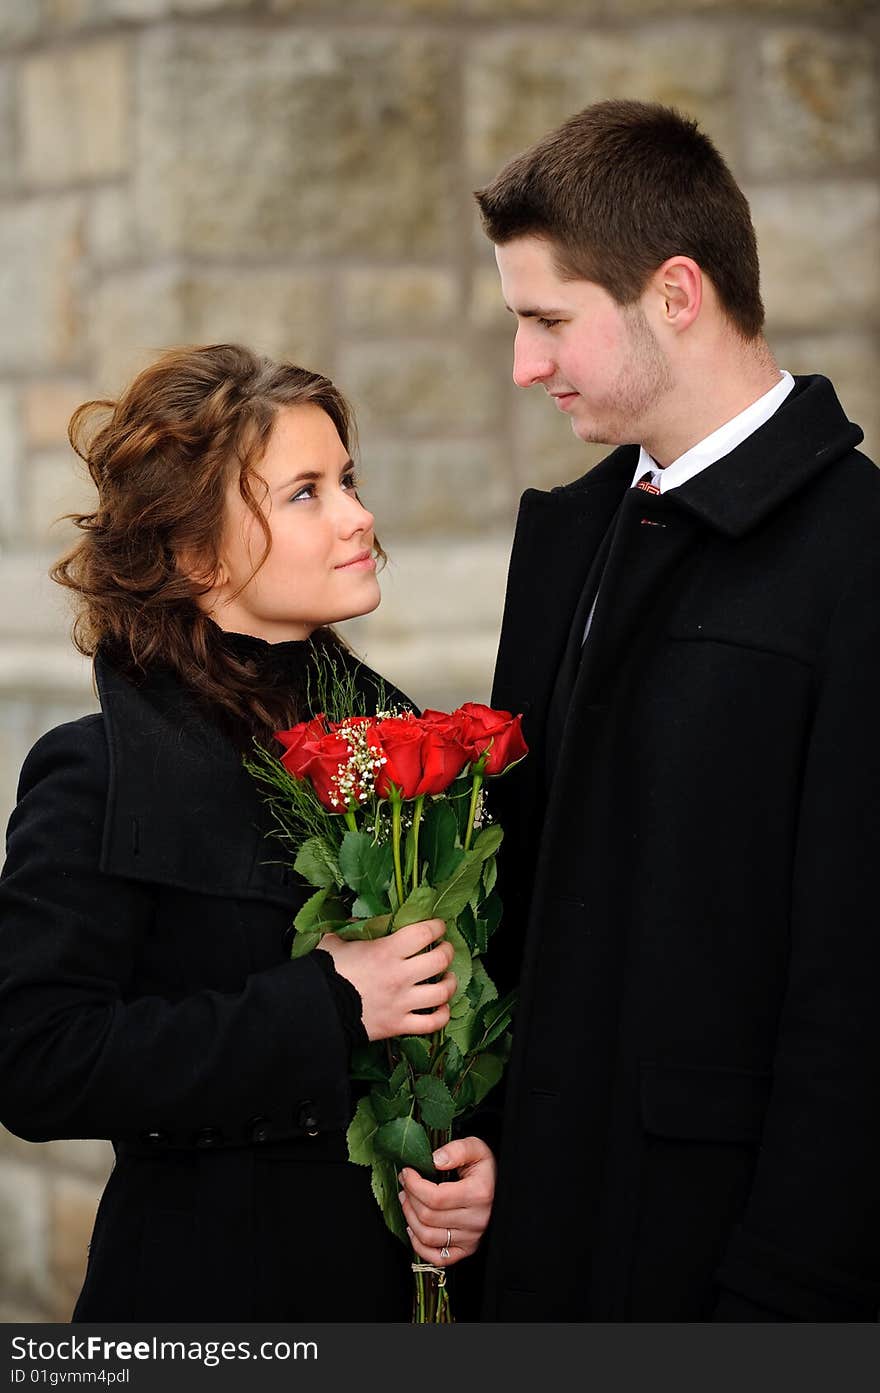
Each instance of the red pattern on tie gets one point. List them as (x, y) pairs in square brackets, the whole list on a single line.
[(646, 485)]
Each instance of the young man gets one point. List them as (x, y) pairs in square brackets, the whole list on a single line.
[(692, 1122)]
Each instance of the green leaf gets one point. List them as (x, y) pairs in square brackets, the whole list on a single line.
[(493, 1019), (488, 841), (453, 1062), (303, 943), (316, 862), (436, 1103), (417, 1051), (460, 1028), (369, 906), (367, 868), (454, 893), (484, 1073), (419, 905), (386, 1188), (405, 1142), (492, 912), (437, 841), (490, 874), (368, 1062), (481, 989), (366, 928), (312, 911), (361, 1134), (462, 963), (481, 937), (467, 926), (399, 1079), (387, 1108)]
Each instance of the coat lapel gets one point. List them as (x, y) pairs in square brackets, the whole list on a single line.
[(181, 809), (557, 537)]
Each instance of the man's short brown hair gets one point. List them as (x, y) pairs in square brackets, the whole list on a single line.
[(619, 188)]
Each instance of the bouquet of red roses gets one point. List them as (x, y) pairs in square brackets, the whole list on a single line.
[(384, 816)]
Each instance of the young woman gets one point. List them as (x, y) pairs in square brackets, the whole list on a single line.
[(146, 989)]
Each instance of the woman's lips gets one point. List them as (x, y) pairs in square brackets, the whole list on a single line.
[(365, 561)]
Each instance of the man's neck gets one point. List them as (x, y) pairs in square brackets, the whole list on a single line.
[(710, 398)]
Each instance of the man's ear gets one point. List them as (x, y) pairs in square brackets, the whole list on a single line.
[(678, 287)]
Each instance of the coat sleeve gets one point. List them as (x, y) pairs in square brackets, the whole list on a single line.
[(82, 1052), (809, 1245)]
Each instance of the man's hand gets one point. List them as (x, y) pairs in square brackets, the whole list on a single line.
[(445, 1222)]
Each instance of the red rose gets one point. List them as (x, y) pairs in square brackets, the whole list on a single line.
[(324, 761), (499, 732), (421, 757), (297, 742), (443, 758), (399, 740)]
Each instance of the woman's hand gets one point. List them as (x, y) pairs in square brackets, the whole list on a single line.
[(446, 1222), (389, 973)]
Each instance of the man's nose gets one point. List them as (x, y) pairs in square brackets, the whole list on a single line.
[(529, 366)]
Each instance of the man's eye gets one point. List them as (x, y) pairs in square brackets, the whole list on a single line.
[(548, 323)]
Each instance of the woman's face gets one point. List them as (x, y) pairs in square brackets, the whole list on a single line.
[(320, 568)]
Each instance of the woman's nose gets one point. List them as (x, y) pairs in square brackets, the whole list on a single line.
[(357, 518)]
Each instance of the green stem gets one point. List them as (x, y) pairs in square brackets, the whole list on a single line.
[(350, 820), (472, 810), (417, 818), (395, 839)]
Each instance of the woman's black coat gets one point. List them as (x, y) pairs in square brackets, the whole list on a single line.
[(147, 996), (693, 1120)]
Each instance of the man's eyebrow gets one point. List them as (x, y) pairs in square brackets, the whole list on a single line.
[(311, 476), (538, 313)]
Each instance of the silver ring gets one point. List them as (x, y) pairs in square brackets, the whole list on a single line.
[(444, 1251)]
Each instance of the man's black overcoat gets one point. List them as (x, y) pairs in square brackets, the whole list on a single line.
[(693, 1106), (147, 995)]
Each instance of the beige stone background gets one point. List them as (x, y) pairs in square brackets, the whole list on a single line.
[(298, 175)]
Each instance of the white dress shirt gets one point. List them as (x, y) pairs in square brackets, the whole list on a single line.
[(714, 447)]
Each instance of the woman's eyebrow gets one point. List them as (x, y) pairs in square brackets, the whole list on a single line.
[(311, 476)]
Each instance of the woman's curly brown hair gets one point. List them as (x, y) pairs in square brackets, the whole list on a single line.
[(161, 458)]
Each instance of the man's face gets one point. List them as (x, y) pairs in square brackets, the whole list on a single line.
[(600, 361)]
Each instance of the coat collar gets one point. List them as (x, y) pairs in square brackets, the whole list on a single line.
[(181, 808), (559, 532), (808, 433)]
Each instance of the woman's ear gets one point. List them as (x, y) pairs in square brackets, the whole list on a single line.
[(200, 570)]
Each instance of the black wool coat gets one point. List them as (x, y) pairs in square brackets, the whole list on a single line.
[(147, 996), (692, 1126)]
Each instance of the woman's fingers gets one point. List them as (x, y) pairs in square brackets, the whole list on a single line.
[(404, 983)]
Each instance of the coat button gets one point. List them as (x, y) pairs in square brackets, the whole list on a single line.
[(260, 1129), (156, 1139), (209, 1136), (307, 1117)]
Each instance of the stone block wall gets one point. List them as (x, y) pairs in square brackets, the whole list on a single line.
[(298, 174)]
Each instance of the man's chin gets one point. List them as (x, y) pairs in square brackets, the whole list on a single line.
[(590, 433)]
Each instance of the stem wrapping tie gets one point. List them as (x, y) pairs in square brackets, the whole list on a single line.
[(439, 1272)]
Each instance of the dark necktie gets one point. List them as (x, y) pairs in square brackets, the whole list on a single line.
[(646, 483)]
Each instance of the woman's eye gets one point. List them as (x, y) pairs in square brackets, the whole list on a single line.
[(307, 491), (352, 482)]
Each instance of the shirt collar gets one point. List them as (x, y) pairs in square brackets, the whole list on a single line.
[(718, 444)]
